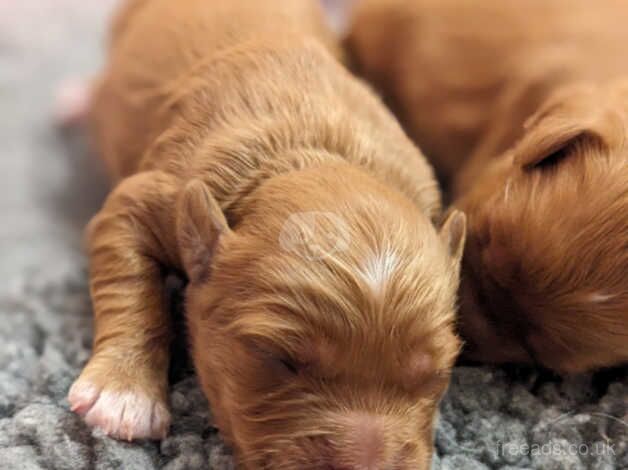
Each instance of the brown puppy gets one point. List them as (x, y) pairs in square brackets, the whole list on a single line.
[(545, 276), (321, 297)]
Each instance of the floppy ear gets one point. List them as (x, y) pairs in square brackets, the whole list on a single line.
[(200, 225), (454, 233), (575, 116)]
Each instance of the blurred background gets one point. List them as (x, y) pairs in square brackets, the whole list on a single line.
[(49, 184)]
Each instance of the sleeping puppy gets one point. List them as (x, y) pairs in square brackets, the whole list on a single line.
[(523, 110), (321, 298)]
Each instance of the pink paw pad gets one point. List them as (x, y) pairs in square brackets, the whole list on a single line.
[(121, 414)]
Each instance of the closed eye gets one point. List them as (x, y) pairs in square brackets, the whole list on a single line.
[(290, 366), (280, 360)]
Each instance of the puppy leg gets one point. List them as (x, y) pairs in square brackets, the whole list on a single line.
[(123, 387)]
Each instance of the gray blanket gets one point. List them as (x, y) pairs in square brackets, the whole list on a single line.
[(491, 418)]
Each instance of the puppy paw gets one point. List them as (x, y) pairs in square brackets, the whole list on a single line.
[(121, 413), (72, 104)]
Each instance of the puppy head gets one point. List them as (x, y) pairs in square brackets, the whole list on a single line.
[(547, 254), (322, 323)]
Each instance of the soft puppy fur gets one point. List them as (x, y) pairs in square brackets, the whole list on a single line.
[(522, 108), (321, 297)]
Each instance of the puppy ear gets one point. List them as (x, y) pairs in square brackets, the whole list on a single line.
[(200, 225), (579, 115), (454, 233)]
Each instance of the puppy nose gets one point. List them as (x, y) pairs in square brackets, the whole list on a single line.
[(365, 444)]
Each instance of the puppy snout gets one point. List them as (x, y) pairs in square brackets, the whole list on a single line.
[(361, 441), (364, 444)]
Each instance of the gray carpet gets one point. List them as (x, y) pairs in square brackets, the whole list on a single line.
[(49, 186)]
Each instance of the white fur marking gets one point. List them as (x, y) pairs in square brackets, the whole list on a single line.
[(378, 270), (507, 190), (600, 297)]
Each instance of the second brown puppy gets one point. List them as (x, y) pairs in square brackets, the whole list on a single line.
[(523, 109)]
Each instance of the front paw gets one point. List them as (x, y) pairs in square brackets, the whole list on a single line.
[(122, 409)]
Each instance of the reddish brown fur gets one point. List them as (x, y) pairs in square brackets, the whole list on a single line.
[(545, 275), (220, 131)]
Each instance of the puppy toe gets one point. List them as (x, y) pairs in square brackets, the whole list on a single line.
[(82, 396)]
